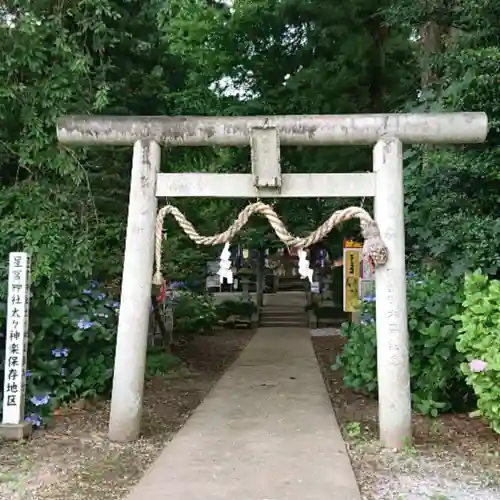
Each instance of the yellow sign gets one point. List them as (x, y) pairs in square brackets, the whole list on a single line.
[(352, 250), (352, 244)]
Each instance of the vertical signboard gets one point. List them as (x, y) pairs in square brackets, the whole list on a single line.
[(16, 342), (352, 261)]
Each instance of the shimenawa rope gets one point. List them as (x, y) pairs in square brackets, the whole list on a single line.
[(374, 248)]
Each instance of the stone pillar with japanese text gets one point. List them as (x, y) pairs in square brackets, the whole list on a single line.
[(13, 425)]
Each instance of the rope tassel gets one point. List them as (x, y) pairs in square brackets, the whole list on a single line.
[(374, 248)]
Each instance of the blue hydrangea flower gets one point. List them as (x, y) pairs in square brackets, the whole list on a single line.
[(367, 320), (100, 296), (369, 298), (411, 275), (177, 284), (59, 352), (40, 400), (84, 324), (87, 292), (94, 284), (35, 419), (28, 373)]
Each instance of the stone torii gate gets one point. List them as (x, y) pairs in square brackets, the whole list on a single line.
[(386, 132)]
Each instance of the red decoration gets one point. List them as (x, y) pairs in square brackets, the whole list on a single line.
[(163, 291), (372, 265)]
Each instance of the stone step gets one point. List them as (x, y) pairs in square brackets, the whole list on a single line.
[(298, 312), (291, 288), (284, 314), (294, 307), (283, 310), (291, 307), (300, 320), (279, 317), (283, 324)]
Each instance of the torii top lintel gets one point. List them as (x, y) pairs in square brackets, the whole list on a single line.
[(299, 130)]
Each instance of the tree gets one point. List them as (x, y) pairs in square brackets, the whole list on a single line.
[(91, 57), (451, 195), (291, 57)]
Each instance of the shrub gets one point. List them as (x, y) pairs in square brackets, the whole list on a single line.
[(194, 313), (160, 363), (72, 344), (437, 383), (243, 308), (71, 348), (479, 342)]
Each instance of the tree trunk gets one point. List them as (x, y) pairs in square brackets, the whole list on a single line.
[(379, 34), (431, 34)]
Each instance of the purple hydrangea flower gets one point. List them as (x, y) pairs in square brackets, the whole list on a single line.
[(177, 284), (367, 320), (478, 365), (59, 352), (40, 400), (84, 324), (28, 373), (36, 420)]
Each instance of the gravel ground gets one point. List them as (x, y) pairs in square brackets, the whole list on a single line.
[(452, 458), (73, 459)]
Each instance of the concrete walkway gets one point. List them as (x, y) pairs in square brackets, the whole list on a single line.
[(266, 431)]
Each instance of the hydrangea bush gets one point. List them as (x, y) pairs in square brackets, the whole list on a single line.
[(194, 313), (72, 343), (479, 324), (243, 308), (437, 383), (71, 349)]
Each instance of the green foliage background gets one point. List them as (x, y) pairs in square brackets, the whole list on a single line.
[(68, 207), (265, 56)]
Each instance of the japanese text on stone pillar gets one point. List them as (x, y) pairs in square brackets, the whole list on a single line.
[(16, 342)]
